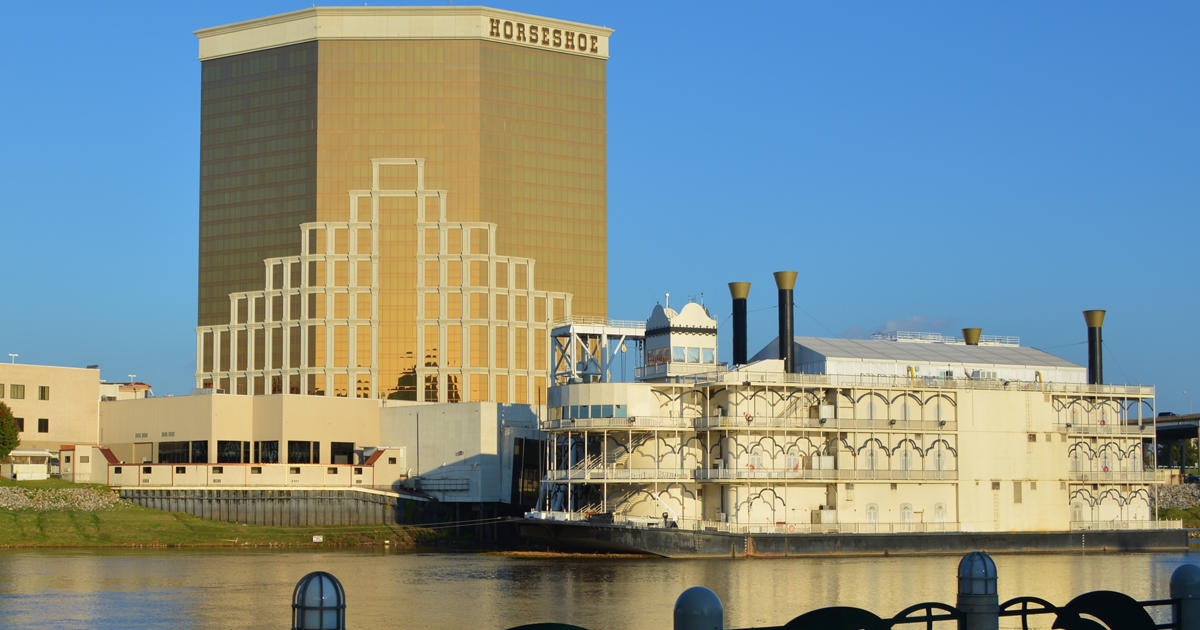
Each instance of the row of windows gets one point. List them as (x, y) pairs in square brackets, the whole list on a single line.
[(43, 425), (239, 452), (571, 412), (677, 354), (17, 392)]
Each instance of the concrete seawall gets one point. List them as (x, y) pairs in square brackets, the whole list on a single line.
[(280, 507)]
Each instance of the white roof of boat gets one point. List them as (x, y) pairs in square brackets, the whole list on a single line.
[(888, 350)]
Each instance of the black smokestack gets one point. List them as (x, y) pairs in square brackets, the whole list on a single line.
[(739, 291), (785, 280), (1095, 319)]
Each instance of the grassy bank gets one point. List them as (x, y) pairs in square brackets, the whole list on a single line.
[(127, 525), (1189, 516)]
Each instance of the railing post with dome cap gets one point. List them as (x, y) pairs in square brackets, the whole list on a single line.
[(319, 603), (1185, 587), (698, 608), (977, 598)]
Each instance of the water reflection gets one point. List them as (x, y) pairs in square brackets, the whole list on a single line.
[(252, 589)]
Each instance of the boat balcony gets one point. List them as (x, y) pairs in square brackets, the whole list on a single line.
[(1103, 476), (635, 423), (609, 473), (824, 474), (758, 423)]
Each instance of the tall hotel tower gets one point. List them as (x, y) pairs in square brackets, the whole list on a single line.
[(398, 202)]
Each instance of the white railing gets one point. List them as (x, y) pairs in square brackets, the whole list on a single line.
[(600, 474), (830, 474), (757, 422), (740, 422), (1112, 475), (1100, 525), (632, 422), (597, 321), (1116, 427), (905, 382)]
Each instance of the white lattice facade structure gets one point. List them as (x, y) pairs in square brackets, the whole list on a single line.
[(483, 309), (482, 327)]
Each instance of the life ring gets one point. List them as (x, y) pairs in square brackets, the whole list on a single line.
[(748, 417), (751, 466), (1106, 469), (792, 529), (1102, 422)]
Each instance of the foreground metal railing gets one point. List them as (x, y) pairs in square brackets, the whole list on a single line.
[(977, 607)]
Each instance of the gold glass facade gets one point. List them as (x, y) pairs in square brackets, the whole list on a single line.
[(515, 135)]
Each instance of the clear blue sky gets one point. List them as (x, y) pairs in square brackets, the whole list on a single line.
[(922, 165)]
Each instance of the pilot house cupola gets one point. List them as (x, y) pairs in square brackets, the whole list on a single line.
[(677, 343)]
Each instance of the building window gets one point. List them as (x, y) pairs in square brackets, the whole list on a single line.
[(299, 452), (16, 391), (116, 470), (200, 451), (331, 470), (872, 513), (709, 356), (341, 452), (268, 451), (256, 470), (229, 452), (20, 424), (357, 470), (146, 470), (173, 452), (392, 460), (43, 392), (294, 470), (217, 470), (1016, 492), (179, 470), (67, 459), (1, 390), (1033, 437), (906, 513), (43, 425)]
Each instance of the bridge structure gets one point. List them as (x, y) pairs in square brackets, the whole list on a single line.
[(1173, 432)]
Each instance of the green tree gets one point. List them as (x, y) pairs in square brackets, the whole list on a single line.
[(10, 437)]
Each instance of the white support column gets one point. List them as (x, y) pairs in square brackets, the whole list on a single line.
[(233, 343), (268, 326), (329, 310), (251, 329), (199, 356)]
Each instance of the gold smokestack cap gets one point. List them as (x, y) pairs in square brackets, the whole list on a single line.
[(971, 336), (1094, 319), (739, 290), (785, 280)]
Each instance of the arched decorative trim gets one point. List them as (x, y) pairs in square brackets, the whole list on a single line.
[(883, 447), (943, 442), (911, 443)]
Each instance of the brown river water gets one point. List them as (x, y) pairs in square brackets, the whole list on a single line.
[(253, 589)]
